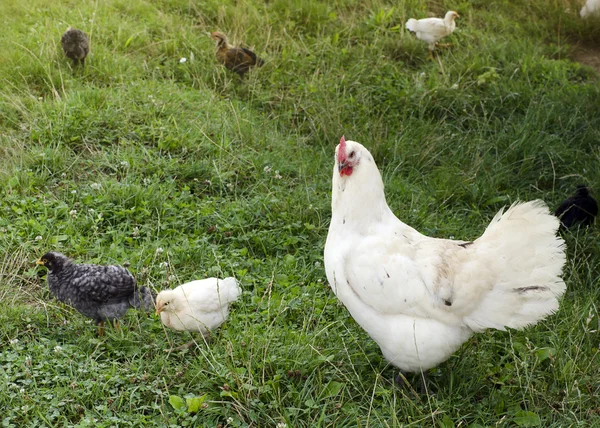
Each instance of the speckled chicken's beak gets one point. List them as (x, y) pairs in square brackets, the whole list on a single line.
[(39, 262)]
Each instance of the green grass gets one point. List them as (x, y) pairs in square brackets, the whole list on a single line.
[(140, 152)]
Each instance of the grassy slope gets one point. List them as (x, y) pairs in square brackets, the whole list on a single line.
[(141, 152)]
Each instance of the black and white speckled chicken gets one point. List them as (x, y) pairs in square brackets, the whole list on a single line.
[(76, 45), (103, 293), (236, 59)]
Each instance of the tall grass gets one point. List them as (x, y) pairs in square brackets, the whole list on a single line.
[(140, 152)]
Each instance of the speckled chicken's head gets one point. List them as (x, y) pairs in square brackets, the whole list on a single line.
[(221, 38), (54, 261), (166, 301)]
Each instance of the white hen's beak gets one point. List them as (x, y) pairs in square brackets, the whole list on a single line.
[(342, 165)]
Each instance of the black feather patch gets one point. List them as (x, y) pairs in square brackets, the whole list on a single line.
[(531, 288)]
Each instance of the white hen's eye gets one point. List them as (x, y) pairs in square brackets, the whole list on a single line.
[(352, 154)]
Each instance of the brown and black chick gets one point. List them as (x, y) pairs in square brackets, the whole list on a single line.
[(76, 45), (236, 59)]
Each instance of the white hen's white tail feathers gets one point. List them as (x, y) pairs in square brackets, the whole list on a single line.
[(522, 252), (411, 24)]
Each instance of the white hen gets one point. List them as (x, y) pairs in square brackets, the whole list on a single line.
[(431, 30), (591, 7), (201, 305), (420, 298)]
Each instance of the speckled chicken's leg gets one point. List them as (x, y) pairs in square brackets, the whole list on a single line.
[(100, 328), (117, 325)]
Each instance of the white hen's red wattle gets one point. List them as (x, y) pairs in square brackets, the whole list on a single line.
[(420, 298)]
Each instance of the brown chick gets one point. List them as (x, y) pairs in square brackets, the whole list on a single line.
[(76, 45), (236, 59)]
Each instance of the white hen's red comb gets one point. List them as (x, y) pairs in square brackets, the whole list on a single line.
[(342, 150), (343, 145)]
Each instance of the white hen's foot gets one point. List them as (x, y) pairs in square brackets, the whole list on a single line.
[(402, 382), (182, 347)]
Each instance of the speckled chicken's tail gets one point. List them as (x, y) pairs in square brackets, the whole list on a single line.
[(143, 298)]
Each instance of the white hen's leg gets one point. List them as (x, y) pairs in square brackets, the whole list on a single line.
[(402, 382)]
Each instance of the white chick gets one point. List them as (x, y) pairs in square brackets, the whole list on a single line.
[(200, 306), (431, 30), (591, 7)]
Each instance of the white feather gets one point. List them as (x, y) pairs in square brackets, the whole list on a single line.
[(420, 298)]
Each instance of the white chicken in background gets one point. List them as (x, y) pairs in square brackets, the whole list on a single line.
[(420, 298), (591, 7), (200, 306), (431, 30)]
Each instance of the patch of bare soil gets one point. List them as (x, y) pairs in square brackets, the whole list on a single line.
[(588, 55)]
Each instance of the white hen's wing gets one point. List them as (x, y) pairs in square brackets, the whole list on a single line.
[(510, 276), (394, 276)]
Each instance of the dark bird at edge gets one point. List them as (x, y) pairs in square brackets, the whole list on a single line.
[(579, 209), (236, 59), (103, 293), (76, 45)]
